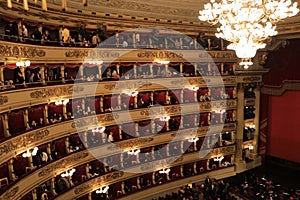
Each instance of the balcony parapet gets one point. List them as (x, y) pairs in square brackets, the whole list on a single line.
[(47, 172), (43, 95), (48, 54), (18, 144)]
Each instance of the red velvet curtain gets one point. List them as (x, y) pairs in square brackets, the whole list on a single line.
[(144, 128), (77, 176), (52, 108), (129, 129), (20, 165), (160, 97), (204, 119), (35, 113), (188, 96), (16, 122), (216, 93), (229, 91), (4, 171), (8, 74), (175, 96), (115, 132), (188, 121), (60, 147)]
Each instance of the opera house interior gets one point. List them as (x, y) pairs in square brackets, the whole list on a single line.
[(134, 99)]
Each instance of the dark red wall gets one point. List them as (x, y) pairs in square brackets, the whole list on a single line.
[(284, 126), (283, 112)]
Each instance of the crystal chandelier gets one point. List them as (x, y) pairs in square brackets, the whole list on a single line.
[(247, 23)]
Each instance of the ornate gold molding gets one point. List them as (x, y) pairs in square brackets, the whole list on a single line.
[(10, 193), (98, 181), (127, 144), (62, 163), (53, 92), (23, 140), (3, 99), (279, 90), (21, 51)]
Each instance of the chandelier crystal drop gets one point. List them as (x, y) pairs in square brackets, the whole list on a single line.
[(247, 23)]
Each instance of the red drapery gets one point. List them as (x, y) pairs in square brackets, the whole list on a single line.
[(35, 113), (16, 122), (188, 96)]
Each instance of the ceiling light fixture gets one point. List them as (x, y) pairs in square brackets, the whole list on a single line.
[(247, 23)]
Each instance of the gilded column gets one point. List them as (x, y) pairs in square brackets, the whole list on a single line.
[(181, 96), (81, 71), (43, 80), (30, 161), (256, 119), (100, 72), (45, 112), (1, 73), (209, 68), (52, 186), (25, 5), (62, 73), (101, 104), (134, 70), (60, 37), (83, 104), (133, 40), (222, 69), (67, 143), (34, 195), (44, 5), (11, 171), (152, 97), (240, 124), (49, 151), (181, 69), (90, 196), (26, 120), (23, 75), (135, 102), (9, 4), (64, 5), (137, 130), (5, 125), (118, 69), (167, 97), (65, 111), (195, 68), (151, 70), (19, 26)]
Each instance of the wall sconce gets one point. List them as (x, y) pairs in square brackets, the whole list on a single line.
[(219, 158), (62, 102), (162, 62), (102, 190), (251, 147), (194, 88), (133, 152), (193, 140), (68, 173), (165, 118), (28, 154), (99, 129), (131, 93), (96, 62), (220, 111), (23, 64), (165, 171)]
